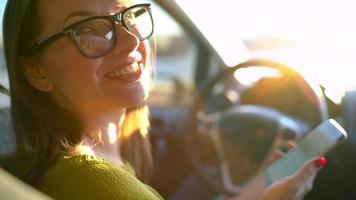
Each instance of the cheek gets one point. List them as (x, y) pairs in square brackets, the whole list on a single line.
[(74, 78), (74, 88), (78, 86), (144, 49), (64, 63)]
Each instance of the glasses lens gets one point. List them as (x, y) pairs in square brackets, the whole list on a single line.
[(94, 37), (138, 21)]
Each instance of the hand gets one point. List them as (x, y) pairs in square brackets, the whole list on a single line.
[(296, 186), (279, 153)]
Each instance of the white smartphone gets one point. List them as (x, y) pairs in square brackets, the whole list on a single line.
[(317, 143)]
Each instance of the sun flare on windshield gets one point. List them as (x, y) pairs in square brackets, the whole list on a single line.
[(315, 38)]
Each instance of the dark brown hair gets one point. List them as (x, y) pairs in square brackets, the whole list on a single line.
[(43, 130)]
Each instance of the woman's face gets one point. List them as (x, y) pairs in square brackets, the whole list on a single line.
[(91, 86)]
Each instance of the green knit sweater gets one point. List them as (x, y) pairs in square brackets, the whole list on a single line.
[(86, 177)]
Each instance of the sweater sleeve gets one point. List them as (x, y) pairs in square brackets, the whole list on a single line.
[(98, 181)]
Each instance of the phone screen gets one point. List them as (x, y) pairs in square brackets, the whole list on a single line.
[(318, 142)]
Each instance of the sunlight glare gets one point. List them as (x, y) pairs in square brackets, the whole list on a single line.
[(329, 64), (248, 76), (231, 23), (335, 94), (112, 133)]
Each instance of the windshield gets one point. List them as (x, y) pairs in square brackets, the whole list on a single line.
[(317, 38)]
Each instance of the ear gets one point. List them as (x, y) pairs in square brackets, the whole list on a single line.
[(36, 75)]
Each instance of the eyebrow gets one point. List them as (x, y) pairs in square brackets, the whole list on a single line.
[(81, 13), (123, 4)]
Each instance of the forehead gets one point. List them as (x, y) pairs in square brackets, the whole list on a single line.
[(52, 13), (64, 6)]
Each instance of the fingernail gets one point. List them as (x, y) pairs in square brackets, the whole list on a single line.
[(321, 162), (277, 156), (291, 144)]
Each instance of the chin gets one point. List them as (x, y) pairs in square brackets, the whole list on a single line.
[(141, 95), (136, 101), (130, 95)]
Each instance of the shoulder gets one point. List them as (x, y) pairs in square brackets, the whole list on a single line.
[(93, 178)]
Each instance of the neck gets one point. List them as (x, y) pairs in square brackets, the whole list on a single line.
[(104, 128)]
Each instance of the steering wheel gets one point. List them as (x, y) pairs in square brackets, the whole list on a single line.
[(239, 123)]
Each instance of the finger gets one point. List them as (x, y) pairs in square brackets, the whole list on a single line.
[(302, 181), (288, 145), (309, 169), (291, 144), (276, 155)]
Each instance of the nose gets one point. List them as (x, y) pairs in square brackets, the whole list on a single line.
[(125, 40)]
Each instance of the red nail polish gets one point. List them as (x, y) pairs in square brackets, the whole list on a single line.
[(277, 155), (321, 162)]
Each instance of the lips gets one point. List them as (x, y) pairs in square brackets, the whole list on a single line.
[(127, 73)]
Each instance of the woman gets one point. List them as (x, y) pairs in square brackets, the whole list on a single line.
[(79, 73)]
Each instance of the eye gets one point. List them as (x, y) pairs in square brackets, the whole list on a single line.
[(84, 30), (96, 27), (129, 18)]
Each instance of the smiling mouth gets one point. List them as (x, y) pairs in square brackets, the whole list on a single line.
[(128, 73)]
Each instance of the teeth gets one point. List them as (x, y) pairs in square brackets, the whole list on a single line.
[(125, 70), (135, 67)]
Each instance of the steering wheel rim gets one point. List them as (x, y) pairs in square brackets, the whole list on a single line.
[(204, 91)]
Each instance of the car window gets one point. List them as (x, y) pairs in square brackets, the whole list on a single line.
[(175, 59), (4, 81)]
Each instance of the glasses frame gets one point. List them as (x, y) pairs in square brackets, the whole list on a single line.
[(69, 31)]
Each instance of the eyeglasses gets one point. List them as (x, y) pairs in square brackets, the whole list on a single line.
[(96, 36)]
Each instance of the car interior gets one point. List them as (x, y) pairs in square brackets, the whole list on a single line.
[(195, 89)]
